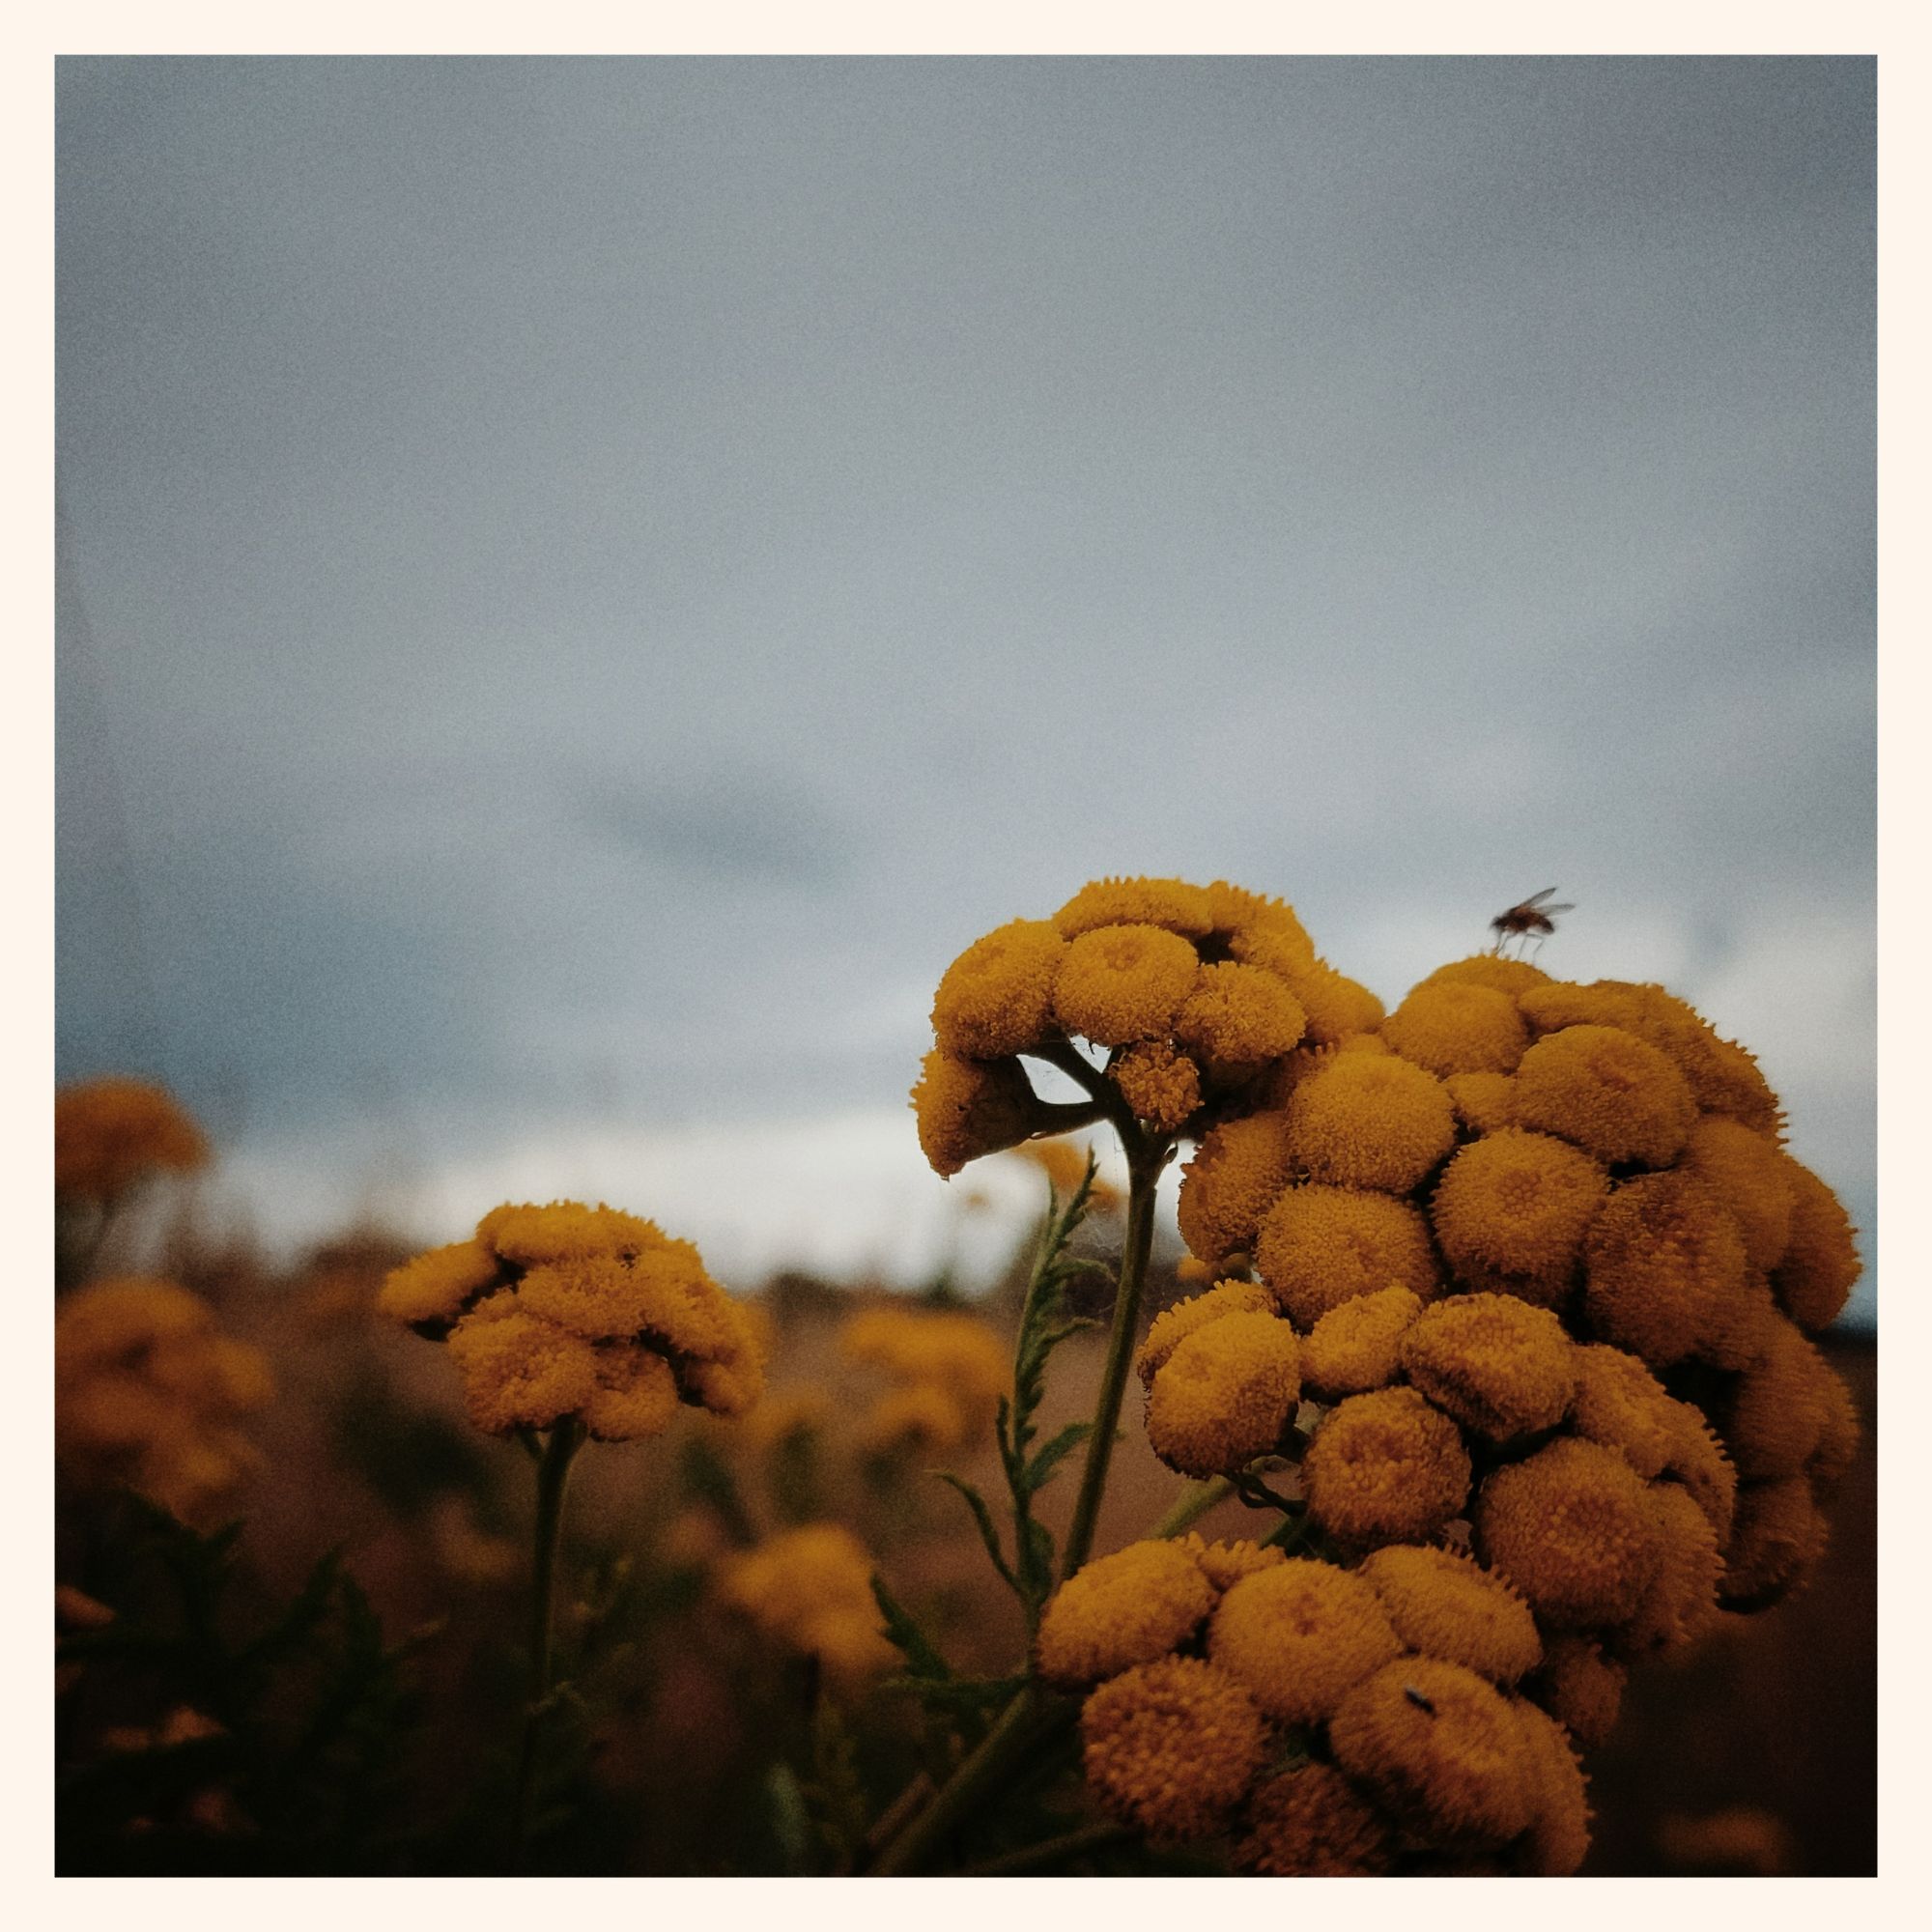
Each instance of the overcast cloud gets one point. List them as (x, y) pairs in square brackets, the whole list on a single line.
[(586, 582)]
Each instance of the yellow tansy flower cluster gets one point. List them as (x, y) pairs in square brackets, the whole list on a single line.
[(149, 1392), (1195, 993), (111, 1133), (569, 1311), (809, 1591), (1540, 1258), (949, 1370)]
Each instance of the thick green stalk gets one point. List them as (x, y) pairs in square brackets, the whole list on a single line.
[(553, 1479), (1145, 1161)]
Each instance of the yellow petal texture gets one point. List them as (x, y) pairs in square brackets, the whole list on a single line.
[(1559, 1826), (1386, 1468), (1441, 1749), (1126, 1608), (1161, 1086), (1751, 1174), (1299, 1637), (110, 1133), (1484, 1103), (1663, 1262), (966, 1108), (1620, 1404), (1607, 1091), (1446, 1604), (1780, 1408), (1452, 1026), (1124, 982), (1232, 1182), (1172, 1326), (1239, 1016), (1364, 1120), (436, 1287), (1572, 1529), (520, 1371), (1356, 1347), (996, 999), (1225, 1395), (1500, 1367), (1510, 1212), (1172, 1747), (1513, 977), (1322, 1246), (1224, 1564), (1169, 903), (1681, 1604), (1579, 1685), (1777, 1539), (1312, 1822), (1820, 1265)]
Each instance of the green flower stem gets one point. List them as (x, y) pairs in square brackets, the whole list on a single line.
[(1068, 1845), (1145, 1160), (1026, 1721), (1190, 1506), (553, 1479)]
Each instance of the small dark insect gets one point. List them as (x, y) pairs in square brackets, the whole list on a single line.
[(1531, 918), (1417, 1698)]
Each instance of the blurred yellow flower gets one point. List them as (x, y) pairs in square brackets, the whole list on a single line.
[(110, 1133), (810, 1590), (1312, 1822)]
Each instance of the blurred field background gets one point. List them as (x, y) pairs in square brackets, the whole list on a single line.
[(1753, 1754)]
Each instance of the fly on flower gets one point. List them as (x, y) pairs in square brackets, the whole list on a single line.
[(1531, 916)]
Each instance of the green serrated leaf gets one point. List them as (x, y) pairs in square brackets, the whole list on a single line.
[(983, 1518), (904, 1630), (1039, 1470)]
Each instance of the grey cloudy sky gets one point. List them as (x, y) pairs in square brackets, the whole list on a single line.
[(588, 581)]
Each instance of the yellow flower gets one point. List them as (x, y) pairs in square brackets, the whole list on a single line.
[(1697, 1460), (1452, 1026), (1386, 1468), (1778, 1535), (1299, 1637), (1838, 1440), (1356, 1347), (1571, 1528), (1816, 1274), (1607, 1091), (1124, 982), (1259, 931), (996, 999), (1513, 977), (1173, 1325), (811, 1591), (1336, 1007), (1620, 1404), (1321, 1246), (1559, 1826), (921, 1419), (1729, 1081), (1662, 1264), (1239, 1016), (966, 1108), (1364, 1120), (1225, 1395), (1579, 1685), (1126, 1608), (1312, 1822), (1232, 1179), (1172, 1747), (147, 1390), (566, 1310), (1224, 1564), (1778, 1409), (434, 1289), (1441, 1749), (1448, 1605), (110, 1133), (1485, 1103), (1161, 1086), (1497, 1365), (1681, 1604), (1751, 1176), (1510, 1212), (1171, 904)]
